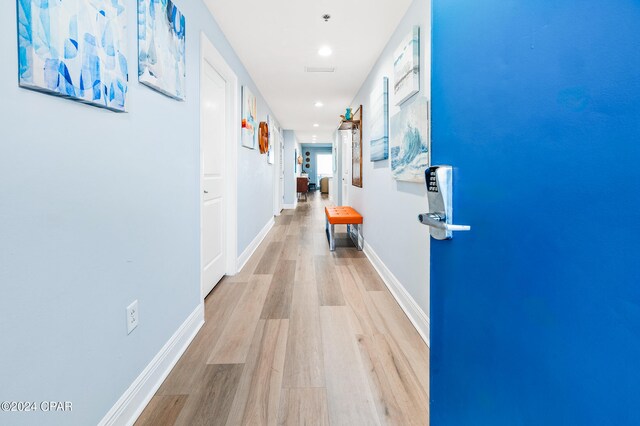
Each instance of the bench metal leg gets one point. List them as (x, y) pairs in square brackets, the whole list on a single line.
[(331, 235), (332, 238), (356, 235), (332, 231)]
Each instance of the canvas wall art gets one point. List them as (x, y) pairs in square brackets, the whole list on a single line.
[(410, 142), (273, 132), (271, 156), (249, 118), (379, 132), (406, 67), (161, 47), (75, 49)]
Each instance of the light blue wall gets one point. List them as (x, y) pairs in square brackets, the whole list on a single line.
[(98, 209), (314, 151), (389, 207), (290, 147)]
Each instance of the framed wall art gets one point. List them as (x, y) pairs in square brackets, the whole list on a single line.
[(161, 47), (406, 67), (273, 134), (249, 118), (379, 131), (75, 49), (410, 142)]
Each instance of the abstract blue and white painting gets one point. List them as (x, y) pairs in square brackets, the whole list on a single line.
[(161, 47), (75, 49), (380, 122), (410, 142), (406, 67)]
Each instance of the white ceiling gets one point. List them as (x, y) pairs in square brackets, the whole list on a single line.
[(277, 39)]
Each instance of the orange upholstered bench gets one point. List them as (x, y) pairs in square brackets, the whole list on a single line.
[(344, 215)]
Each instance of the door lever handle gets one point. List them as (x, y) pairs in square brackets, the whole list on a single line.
[(438, 220), (206, 192)]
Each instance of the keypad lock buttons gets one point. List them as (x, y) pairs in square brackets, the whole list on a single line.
[(440, 196)]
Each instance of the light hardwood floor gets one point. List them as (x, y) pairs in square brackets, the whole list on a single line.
[(301, 336)]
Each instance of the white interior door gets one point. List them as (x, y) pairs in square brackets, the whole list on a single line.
[(213, 98), (346, 166)]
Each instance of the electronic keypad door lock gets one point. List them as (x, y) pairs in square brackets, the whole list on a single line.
[(439, 181)]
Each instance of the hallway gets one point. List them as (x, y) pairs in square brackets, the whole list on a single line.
[(300, 336)]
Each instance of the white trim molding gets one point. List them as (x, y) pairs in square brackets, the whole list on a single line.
[(253, 246), (131, 404), (416, 315), (289, 206)]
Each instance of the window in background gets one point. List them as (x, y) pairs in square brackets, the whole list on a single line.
[(325, 165)]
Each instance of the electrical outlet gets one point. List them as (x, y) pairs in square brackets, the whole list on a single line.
[(132, 317)]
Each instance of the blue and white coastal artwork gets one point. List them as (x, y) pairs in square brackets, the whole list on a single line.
[(75, 49), (161, 47), (380, 122), (406, 67), (410, 142)]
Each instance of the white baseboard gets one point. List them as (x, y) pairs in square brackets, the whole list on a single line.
[(290, 206), (131, 404), (244, 257), (416, 315)]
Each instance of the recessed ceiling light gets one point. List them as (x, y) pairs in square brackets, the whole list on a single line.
[(316, 125), (319, 104), (325, 51)]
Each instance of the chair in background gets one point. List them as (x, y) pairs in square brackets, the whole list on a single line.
[(324, 185)]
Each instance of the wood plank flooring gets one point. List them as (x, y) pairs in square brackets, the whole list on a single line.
[(301, 336)]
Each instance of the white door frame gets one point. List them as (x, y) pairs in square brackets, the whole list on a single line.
[(209, 53), (281, 174), (345, 178), (277, 197)]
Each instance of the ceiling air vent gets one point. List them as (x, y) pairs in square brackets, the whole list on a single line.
[(319, 69)]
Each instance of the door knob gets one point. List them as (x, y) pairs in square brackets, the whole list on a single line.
[(439, 180), (439, 221)]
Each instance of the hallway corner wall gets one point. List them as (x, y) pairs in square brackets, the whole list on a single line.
[(99, 209), (291, 146), (390, 208)]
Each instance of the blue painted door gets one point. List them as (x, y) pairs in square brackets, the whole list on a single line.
[(535, 313)]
